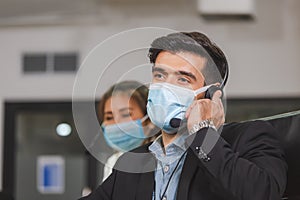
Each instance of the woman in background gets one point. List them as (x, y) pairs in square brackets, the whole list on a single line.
[(124, 121)]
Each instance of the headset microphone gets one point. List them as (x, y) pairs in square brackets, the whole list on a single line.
[(175, 122)]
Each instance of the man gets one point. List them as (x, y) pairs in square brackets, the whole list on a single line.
[(202, 158)]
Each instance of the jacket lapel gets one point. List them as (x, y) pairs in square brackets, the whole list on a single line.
[(146, 182), (188, 171), (146, 186)]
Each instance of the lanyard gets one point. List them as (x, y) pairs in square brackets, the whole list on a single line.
[(173, 172)]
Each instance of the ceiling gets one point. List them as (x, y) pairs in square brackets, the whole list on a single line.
[(55, 12), (31, 12)]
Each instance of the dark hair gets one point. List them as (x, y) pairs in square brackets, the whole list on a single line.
[(196, 43), (134, 89)]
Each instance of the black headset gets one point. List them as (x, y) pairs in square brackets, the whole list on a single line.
[(211, 90)]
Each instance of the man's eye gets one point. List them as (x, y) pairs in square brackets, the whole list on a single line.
[(184, 80), (158, 76)]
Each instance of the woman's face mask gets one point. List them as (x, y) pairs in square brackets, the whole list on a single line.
[(167, 101), (125, 136)]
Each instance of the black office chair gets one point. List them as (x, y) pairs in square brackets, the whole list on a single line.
[(5, 196), (288, 128)]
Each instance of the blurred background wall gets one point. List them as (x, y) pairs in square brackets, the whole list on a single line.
[(263, 52)]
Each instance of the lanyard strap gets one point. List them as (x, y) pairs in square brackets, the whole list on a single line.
[(173, 172)]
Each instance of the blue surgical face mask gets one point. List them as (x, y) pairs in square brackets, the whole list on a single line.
[(125, 136), (167, 101)]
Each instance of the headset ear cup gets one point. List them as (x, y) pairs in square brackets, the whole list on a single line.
[(210, 92)]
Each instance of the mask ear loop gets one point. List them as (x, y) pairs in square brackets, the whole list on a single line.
[(210, 90), (144, 118), (203, 89)]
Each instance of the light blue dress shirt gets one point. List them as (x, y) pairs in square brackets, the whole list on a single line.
[(166, 163)]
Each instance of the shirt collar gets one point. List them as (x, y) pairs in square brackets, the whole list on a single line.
[(179, 143)]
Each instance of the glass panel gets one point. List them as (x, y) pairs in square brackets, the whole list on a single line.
[(246, 109), (36, 136)]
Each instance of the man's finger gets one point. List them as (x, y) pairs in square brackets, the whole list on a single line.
[(187, 113), (217, 96)]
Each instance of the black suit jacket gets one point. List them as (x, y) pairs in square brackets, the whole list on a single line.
[(245, 162)]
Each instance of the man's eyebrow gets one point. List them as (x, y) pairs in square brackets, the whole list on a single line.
[(163, 71), (158, 69), (189, 74)]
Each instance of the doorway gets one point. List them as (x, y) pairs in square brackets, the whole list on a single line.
[(38, 162)]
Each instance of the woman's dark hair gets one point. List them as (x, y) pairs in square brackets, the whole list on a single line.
[(134, 89), (193, 42)]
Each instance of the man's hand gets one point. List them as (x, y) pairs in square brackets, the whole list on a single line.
[(203, 109)]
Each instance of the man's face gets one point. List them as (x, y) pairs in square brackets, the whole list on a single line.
[(182, 69)]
